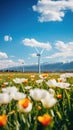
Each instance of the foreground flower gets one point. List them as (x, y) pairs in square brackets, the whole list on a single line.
[(38, 94), (25, 105), (9, 90), (17, 95), (63, 85), (4, 98), (51, 83), (49, 101), (3, 120), (45, 119)]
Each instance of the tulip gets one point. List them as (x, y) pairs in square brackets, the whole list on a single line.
[(3, 120), (4, 98), (49, 101), (24, 105), (51, 83), (45, 119), (63, 85), (38, 94), (9, 89), (17, 95)]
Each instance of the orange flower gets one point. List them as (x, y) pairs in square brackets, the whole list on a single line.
[(3, 85), (60, 80), (59, 96), (45, 119), (3, 120), (24, 102), (39, 107), (25, 81), (44, 75)]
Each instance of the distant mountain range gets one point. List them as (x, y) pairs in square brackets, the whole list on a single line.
[(45, 67)]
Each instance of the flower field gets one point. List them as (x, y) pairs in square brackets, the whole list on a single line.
[(31, 101)]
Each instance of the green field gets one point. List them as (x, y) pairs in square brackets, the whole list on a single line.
[(29, 101)]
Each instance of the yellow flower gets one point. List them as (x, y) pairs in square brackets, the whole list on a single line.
[(45, 119), (25, 105), (3, 120), (24, 102)]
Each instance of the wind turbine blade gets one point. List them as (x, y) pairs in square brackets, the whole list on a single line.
[(42, 51), (36, 50)]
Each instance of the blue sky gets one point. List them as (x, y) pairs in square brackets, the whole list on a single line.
[(29, 24)]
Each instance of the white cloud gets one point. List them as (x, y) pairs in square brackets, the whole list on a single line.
[(7, 38), (61, 46), (3, 55), (21, 61), (12, 56), (9, 63), (64, 51), (51, 10), (33, 55), (34, 43)]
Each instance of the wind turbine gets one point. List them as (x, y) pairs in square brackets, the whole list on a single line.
[(23, 66), (39, 57)]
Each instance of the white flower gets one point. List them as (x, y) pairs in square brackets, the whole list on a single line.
[(6, 83), (39, 81), (19, 80), (66, 75), (51, 91), (4, 98), (28, 87), (43, 76), (38, 94), (63, 85), (61, 79), (49, 101), (12, 89), (51, 83), (17, 95)]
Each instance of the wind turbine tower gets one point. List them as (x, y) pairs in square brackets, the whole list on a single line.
[(39, 57)]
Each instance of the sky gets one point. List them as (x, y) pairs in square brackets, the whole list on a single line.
[(29, 27)]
